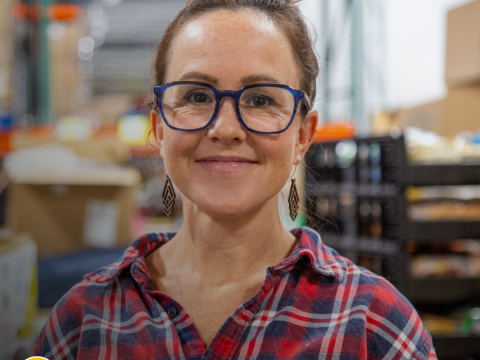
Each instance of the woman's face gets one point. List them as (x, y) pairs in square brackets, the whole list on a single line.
[(226, 170)]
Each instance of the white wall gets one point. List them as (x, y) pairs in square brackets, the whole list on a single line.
[(311, 9), (416, 50), (415, 47)]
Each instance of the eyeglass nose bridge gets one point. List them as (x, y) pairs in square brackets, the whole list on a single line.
[(219, 96)]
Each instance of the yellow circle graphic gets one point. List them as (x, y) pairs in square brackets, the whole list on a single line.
[(36, 358)]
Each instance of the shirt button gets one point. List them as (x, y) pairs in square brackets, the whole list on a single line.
[(172, 312)]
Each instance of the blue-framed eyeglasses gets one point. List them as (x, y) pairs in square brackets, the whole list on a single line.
[(261, 108)]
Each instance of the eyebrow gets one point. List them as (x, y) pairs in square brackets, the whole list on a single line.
[(200, 76), (257, 79), (251, 79)]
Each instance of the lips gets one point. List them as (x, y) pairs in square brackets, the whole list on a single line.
[(226, 159), (226, 163)]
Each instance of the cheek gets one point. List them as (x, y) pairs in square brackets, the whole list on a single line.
[(176, 147), (280, 155), (282, 146)]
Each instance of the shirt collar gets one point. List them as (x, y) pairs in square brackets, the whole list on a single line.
[(322, 259), (134, 255)]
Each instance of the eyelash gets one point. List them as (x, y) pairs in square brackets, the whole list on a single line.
[(194, 92), (270, 99)]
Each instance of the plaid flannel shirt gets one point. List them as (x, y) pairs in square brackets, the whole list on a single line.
[(314, 304)]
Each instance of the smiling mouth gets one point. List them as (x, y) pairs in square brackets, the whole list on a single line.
[(226, 163), (226, 159)]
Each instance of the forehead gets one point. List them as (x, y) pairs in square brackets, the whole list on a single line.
[(232, 45)]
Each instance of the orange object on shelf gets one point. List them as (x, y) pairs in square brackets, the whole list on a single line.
[(20, 10), (4, 143), (64, 12), (335, 131), (55, 11)]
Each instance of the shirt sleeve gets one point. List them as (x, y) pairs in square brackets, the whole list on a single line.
[(60, 337), (394, 328), (432, 355)]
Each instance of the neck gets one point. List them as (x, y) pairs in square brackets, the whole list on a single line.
[(222, 249)]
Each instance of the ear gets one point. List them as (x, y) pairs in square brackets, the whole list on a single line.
[(157, 129), (306, 133)]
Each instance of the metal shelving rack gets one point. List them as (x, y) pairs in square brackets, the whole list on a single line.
[(353, 60), (326, 179)]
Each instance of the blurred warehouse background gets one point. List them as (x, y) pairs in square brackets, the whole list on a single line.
[(392, 182)]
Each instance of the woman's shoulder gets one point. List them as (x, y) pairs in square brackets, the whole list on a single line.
[(362, 295), (101, 294), (63, 325), (327, 261), (389, 314), (363, 286)]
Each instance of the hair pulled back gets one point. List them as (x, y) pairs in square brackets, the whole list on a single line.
[(284, 13)]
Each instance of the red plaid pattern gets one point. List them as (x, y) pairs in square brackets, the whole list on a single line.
[(314, 304)]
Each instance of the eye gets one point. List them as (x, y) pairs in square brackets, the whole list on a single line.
[(200, 98), (260, 100)]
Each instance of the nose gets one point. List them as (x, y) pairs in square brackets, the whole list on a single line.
[(227, 127)]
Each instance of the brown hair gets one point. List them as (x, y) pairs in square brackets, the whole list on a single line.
[(284, 14)]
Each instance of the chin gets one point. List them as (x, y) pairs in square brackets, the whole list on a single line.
[(234, 201), (226, 210)]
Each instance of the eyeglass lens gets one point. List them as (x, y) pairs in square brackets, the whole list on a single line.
[(264, 109)]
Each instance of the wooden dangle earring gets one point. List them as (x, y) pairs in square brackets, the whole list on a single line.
[(293, 198), (168, 197)]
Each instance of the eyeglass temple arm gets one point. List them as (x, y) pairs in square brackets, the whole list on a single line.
[(307, 99)]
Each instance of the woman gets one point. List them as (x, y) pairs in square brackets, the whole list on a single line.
[(203, 293)]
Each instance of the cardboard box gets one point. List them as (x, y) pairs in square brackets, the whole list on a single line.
[(110, 150), (72, 211), (463, 45), (18, 289), (458, 111), (428, 117), (462, 110)]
